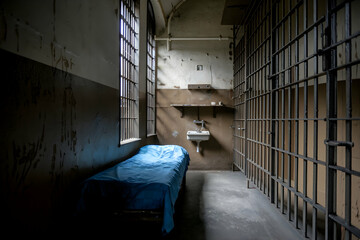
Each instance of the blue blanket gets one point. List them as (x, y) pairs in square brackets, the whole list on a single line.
[(151, 179)]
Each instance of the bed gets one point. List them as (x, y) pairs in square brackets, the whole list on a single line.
[(147, 183)]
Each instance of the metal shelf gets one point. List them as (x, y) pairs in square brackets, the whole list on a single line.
[(182, 107)]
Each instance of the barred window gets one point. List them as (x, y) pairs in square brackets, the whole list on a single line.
[(129, 88), (150, 76)]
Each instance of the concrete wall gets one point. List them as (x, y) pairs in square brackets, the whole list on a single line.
[(178, 67), (59, 103)]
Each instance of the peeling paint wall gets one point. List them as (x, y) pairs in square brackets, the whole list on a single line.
[(196, 62), (59, 104), (178, 67)]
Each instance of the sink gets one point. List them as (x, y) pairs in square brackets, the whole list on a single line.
[(198, 136)]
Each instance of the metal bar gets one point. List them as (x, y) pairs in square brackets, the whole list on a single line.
[(305, 137), (299, 194), (292, 10), (259, 79), (268, 98), (296, 220), (331, 96), (334, 45), (257, 103), (235, 86), (348, 149), (352, 119), (346, 170), (260, 167), (246, 45), (339, 143), (300, 156), (265, 60), (291, 66), (273, 100), (259, 46), (298, 36), (289, 125), (315, 134), (349, 228), (283, 114), (301, 80), (307, 199)]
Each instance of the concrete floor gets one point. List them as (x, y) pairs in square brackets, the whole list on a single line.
[(217, 205)]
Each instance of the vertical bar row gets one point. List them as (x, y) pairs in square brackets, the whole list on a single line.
[(276, 112)]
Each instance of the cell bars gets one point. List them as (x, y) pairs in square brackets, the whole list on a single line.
[(150, 87), (239, 104), (128, 71), (297, 130)]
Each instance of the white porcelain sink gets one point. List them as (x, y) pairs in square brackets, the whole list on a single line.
[(198, 136)]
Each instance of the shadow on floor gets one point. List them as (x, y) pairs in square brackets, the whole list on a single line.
[(187, 217)]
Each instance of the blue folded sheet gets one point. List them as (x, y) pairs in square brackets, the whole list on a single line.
[(151, 179)]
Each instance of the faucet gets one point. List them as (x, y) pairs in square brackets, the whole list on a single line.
[(202, 124)]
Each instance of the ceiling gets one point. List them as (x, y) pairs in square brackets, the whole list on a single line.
[(233, 11)]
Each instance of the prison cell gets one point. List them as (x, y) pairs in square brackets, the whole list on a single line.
[(297, 111)]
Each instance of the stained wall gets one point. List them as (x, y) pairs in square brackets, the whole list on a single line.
[(59, 103)]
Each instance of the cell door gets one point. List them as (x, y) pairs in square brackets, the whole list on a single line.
[(297, 111)]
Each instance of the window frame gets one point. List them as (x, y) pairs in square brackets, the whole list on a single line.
[(128, 71), (150, 74)]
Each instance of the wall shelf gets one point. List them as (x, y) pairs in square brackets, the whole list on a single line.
[(182, 107), (199, 86)]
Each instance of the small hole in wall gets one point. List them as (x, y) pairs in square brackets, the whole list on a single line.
[(199, 67)]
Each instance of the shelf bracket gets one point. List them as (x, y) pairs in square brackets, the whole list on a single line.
[(214, 112), (182, 109)]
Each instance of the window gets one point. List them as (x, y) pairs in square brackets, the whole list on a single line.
[(128, 87), (150, 76)]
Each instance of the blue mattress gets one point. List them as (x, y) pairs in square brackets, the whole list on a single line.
[(151, 179)]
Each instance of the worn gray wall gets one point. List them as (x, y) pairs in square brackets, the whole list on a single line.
[(59, 104), (79, 37)]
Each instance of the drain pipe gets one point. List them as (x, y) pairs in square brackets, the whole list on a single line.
[(169, 23)]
